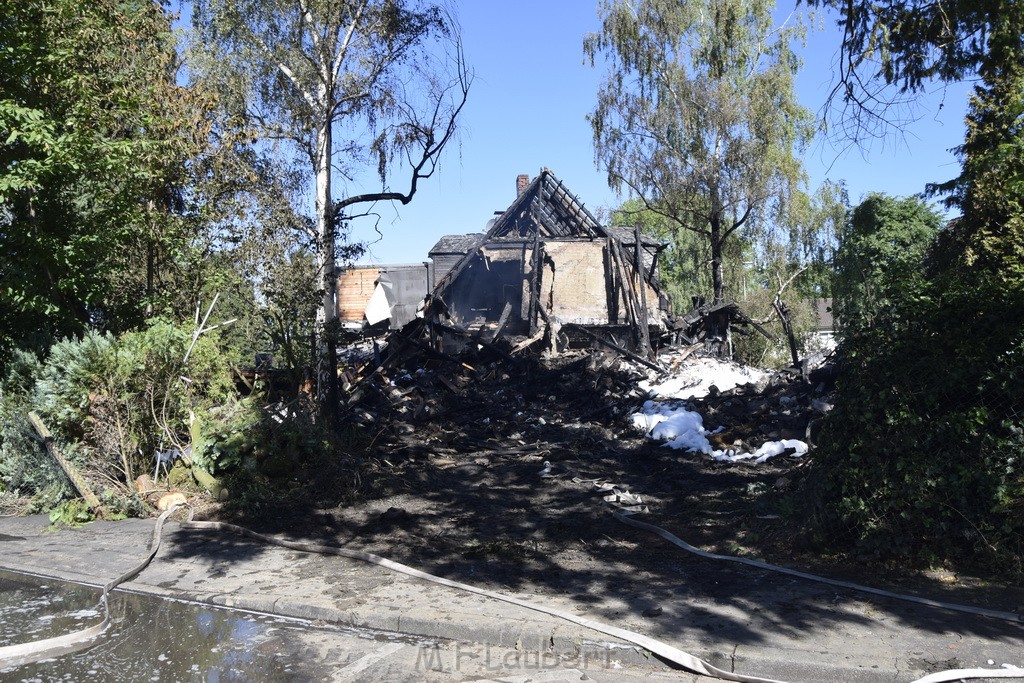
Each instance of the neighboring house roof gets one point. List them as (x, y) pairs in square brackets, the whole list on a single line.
[(823, 313), (457, 244), (627, 235)]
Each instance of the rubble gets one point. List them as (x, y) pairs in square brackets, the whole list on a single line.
[(496, 463), (423, 401)]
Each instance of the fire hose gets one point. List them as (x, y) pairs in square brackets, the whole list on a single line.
[(12, 655), (26, 653)]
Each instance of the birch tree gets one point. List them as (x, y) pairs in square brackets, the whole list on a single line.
[(349, 85), (697, 114)]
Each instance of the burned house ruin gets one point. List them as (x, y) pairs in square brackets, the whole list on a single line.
[(545, 269), (546, 265)]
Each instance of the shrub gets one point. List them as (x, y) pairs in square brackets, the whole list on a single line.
[(923, 456), (110, 404), (25, 466)]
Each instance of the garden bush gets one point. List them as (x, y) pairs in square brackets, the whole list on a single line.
[(111, 404), (923, 457)]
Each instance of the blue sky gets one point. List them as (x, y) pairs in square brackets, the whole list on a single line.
[(526, 111), (527, 107)]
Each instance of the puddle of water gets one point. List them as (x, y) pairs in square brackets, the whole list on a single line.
[(150, 639), (33, 610)]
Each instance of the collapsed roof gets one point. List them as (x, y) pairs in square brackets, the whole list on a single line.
[(546, 261)]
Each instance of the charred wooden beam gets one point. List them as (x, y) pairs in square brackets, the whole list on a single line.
[(746, 320), (780, 307), (645, 332), (502, 321), (534, 284), (615, 347)]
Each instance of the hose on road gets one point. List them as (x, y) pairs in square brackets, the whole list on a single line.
[(12, 655)]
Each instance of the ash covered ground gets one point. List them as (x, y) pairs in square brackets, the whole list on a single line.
[(503, 471)]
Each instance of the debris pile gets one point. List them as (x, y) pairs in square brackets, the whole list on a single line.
[(427, 400), (418, 400), (493, 455)]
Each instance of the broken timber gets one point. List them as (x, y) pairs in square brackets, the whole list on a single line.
[(780, 307), (73, 474), (694, 326), (645, 330), (615, 347)]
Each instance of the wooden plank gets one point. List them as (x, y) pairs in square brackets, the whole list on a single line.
[(502, 320), (645, 330), (73, 474), (627, 287), (536, 337), (449, 384), (611, 285)]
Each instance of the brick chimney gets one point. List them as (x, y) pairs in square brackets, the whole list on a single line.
[(522, 182)]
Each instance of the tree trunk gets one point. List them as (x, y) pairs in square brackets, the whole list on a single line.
[(717, 242), (717, 273), (150, 261), (327, 315)]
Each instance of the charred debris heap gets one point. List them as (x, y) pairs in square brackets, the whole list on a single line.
[(547, 310)]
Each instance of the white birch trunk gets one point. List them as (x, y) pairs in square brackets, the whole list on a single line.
[(328, 312)]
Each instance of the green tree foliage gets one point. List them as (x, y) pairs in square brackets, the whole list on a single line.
[(94, 132), (781, 264), (880, 257), (922, 456), (697, 115), (289, 306), (684, 264), (907, 44), (990, 188), (805, 241), (352, 86), (246, 238)]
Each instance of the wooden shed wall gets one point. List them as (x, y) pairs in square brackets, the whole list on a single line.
[(355, 287), (442, 264)]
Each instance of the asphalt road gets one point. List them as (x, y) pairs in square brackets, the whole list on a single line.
[(794, 632)]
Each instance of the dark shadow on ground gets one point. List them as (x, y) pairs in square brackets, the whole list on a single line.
[(462, 491)]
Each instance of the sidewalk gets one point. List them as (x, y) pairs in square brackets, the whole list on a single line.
[(809, 635)]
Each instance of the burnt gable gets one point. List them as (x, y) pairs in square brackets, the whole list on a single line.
[(548, 209)]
